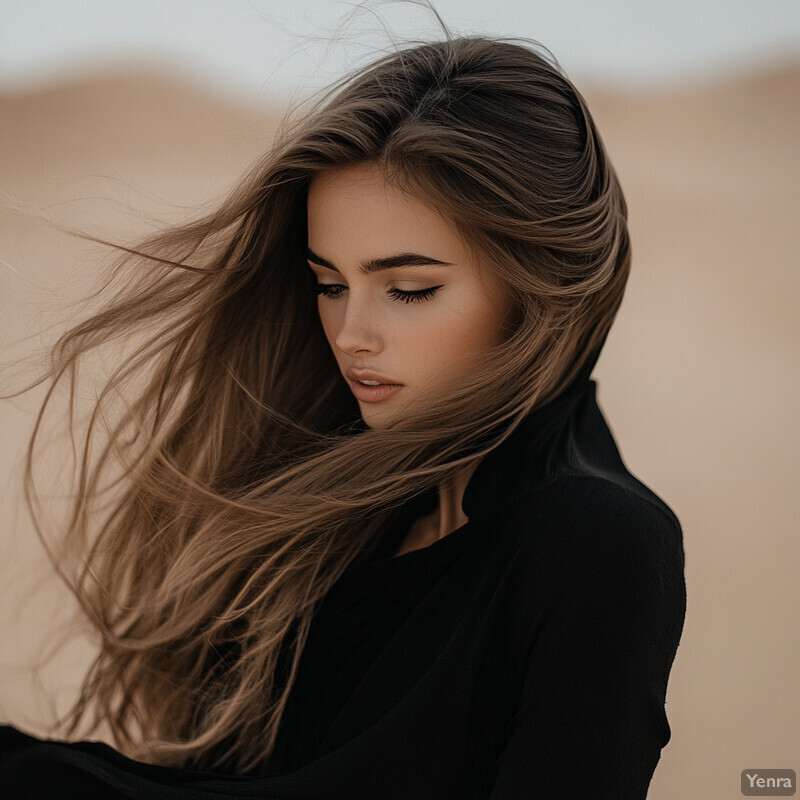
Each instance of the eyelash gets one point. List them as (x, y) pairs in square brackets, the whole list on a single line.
[(397, 294)]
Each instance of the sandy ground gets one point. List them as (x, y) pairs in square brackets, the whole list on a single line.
[(698, 378)]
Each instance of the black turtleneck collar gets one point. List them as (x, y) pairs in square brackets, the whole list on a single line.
[(523, 453)]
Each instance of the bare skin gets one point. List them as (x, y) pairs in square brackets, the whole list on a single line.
[(444, 519), (420, 344)]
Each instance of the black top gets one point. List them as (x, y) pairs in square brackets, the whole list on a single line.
[(524, 655)]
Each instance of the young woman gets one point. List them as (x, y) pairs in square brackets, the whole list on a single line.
[(372, 536)]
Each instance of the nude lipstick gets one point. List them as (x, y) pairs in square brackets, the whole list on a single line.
[(385, 387)]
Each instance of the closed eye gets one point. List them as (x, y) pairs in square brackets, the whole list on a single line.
[(331, 290)]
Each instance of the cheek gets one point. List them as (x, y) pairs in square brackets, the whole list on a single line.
[(448, 339), (475, 323), (328, 321)]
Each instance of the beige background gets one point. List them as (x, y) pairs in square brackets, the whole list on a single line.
[(698, 378)]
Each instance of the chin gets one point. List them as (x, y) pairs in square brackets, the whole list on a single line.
[(375, 418), (371, 420)]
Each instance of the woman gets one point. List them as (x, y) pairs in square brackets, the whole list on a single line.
[(375, 538)]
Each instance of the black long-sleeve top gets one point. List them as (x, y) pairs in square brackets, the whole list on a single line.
[(524, 655)]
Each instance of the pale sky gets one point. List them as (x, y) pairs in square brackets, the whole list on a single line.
[(257, 47)]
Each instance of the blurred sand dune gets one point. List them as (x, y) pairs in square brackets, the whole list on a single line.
[(698, 378)]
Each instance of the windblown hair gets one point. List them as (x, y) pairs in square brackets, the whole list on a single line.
[(244, 480)]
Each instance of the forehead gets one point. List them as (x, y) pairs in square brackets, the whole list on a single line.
[(355, 210)]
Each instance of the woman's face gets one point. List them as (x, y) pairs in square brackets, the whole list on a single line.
[(419, 343)]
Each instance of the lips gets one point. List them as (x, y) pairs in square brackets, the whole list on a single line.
[(374, 394), (354, 374), (387, 387)]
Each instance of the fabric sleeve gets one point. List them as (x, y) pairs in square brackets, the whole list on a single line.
[(591, 719)]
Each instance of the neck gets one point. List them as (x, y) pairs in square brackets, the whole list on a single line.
[(449, 515)]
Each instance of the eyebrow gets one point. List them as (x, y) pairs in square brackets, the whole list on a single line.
[(371, 265)]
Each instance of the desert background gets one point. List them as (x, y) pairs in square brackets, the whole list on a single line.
[(698, 379)]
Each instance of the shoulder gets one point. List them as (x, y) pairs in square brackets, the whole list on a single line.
[(589, 535), (602, 510)]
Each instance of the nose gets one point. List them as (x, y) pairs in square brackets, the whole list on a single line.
[(358, 331)]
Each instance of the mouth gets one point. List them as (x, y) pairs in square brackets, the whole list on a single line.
[(373, 391)]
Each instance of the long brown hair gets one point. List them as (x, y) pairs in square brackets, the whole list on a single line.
[(226, 479)]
